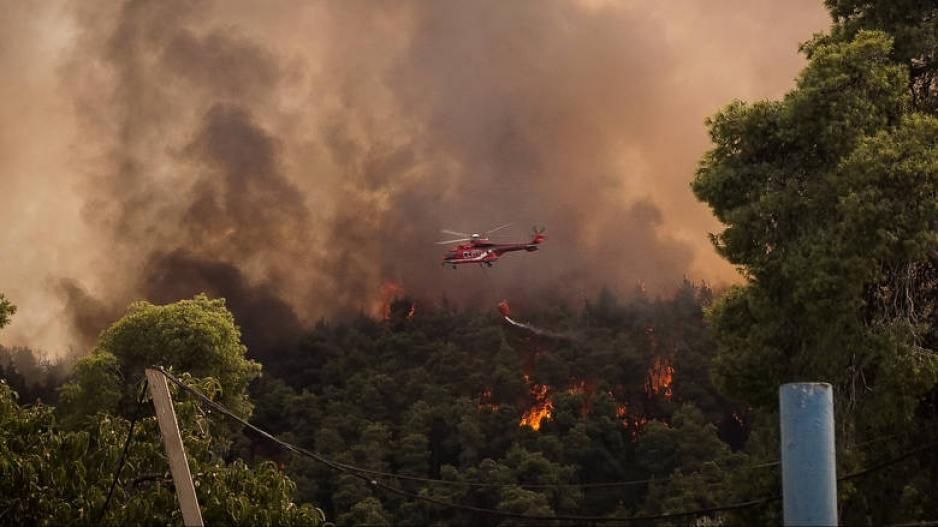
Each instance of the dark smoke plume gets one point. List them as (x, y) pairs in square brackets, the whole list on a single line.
[(293, 156)]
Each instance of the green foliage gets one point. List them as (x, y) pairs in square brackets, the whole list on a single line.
[(98, 387), (198, 336), (7, 310), (50, 476), (914, 26), (60, 475), (829, 203), (366, 512), (442, 395), (780, 177)]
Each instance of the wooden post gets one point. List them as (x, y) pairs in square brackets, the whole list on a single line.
[(172, 440)]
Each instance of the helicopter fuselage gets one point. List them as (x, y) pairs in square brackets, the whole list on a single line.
[(484, 252)]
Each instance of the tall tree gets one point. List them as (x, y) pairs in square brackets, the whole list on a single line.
[(51, 476), (830, 203), (914, 26), (198, 336)]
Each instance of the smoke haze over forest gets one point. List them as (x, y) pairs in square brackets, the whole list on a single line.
[(294, 156)]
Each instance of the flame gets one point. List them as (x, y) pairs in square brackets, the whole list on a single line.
[(659, 378), (637, 424), (536, 413), (542, 407), (411, 311), (504, 308), (387, 292)]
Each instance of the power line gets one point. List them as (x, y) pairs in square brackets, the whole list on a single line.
[(888, 462), (348, 469), (122, 460), (605, 484), (892, 436)]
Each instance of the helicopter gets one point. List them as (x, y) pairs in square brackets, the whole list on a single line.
[(480, 250)]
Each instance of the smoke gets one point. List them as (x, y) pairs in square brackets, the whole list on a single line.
[(292, 156)]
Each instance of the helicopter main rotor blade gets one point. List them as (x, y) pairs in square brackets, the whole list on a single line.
[(447, 242), (496, 229), (455, 233)]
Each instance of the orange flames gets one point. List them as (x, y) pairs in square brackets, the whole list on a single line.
[(504, 308), (659, 378), (542, 406), (387, 293)]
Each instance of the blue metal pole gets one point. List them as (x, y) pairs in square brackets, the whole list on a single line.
[(809, 476)]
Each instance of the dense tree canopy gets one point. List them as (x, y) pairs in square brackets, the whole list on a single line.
[(617, 390), (55, 475), (913, 25), (830, 209), (50, 476), (198, 336)]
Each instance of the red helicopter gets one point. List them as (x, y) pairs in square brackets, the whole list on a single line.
[(483, 252)]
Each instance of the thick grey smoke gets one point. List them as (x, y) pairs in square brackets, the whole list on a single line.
[(293, 156)]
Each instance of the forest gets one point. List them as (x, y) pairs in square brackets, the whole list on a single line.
[(621, 407)]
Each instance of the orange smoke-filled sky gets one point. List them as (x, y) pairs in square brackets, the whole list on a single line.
[(292, 156)]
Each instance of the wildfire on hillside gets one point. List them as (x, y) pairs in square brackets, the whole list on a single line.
[(387, 293), (387, 298), (633, 410), (660, 376), (542, 407)]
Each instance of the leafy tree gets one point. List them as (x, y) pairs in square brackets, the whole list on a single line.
[(914, 27), (773, 179), (198, 336), (369, 511), (50, 476), (829, 201), (7, 310)]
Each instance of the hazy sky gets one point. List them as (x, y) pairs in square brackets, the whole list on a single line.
[(292, 156)]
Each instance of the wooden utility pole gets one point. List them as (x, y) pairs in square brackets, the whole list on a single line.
[(172, 440)]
